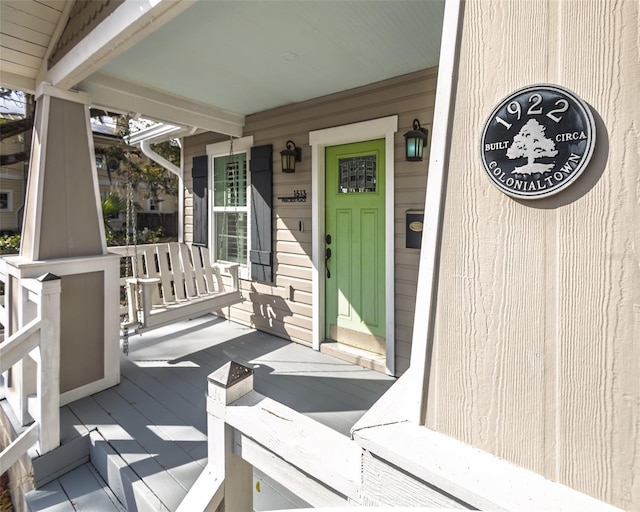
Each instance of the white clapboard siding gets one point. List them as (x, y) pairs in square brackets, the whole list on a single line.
[(408, 97)]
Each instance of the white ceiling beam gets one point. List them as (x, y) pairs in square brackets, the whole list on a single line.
[(162, 132), (114, 93), (17, 82), (131, 22)]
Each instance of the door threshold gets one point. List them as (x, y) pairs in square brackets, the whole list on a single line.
[(364, 358)]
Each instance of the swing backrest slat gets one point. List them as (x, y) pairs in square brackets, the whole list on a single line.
[(213, 283), (176, 271), (162, 252), (149, 261), (201, 284), (189, 273)]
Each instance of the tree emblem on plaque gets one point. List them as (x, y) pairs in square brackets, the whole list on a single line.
[(531, 143), (537, 141)]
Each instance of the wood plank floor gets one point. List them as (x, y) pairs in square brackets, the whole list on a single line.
[(156, 417)]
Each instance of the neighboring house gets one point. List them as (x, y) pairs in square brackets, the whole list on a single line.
[(514, 327), (12, 182), (153, 210)]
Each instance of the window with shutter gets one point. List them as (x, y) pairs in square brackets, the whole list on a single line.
[(200, 200), (230, 208), (230, 230)]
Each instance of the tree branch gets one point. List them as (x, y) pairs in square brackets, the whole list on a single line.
[(15, 158), (13, 128)]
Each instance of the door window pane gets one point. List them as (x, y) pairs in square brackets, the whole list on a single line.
[(357, 174)]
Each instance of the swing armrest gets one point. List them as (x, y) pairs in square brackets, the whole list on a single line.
[(144, 302), (232, 270)]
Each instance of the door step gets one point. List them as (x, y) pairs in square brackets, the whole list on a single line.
[(364, 358)]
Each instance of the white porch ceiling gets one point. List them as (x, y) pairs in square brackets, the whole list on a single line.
[(27, 31), (217, 61)]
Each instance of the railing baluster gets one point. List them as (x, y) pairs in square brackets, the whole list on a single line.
[(48, 386), (39, 302)]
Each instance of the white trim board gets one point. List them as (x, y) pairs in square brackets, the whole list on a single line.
[(319, 140), (469, 474), (14, 81), (55, 92), (423, 323)]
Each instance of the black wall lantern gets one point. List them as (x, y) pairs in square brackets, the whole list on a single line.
[(415, 142), (290, 156)]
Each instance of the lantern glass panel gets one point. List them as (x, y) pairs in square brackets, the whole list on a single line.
[(415, 146), (288, 162)]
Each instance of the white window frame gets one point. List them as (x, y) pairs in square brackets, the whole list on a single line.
[(157, 203), (218, 149), (9, 207), (101, 162)]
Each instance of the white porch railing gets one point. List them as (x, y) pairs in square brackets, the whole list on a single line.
[(247, 429), (389, 461), (30, 360)]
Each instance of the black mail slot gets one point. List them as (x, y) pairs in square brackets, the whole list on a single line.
[(415, 221)]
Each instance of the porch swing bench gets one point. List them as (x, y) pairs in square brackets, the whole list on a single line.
[(176, 281)]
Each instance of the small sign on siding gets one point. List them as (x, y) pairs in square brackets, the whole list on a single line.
[(537, 141)]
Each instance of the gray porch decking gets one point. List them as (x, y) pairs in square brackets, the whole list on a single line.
[(155, 419)]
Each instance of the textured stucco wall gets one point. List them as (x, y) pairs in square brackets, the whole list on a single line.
[(537, 343)]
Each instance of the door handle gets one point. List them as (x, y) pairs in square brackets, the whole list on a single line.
[(327, 255)]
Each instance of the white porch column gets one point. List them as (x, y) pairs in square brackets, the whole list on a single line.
[(63, 233), (63, 216)]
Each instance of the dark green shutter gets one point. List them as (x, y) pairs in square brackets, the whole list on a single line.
[(260, 256), (200, 200)]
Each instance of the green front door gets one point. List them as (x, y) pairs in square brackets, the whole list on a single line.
[(355, 245)]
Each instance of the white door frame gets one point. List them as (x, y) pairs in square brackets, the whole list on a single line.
[(382, 128)]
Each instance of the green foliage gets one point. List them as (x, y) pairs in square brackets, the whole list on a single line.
[(9, 244), (112, 206), (144, 236)]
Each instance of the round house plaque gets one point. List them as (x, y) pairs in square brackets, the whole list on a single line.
[(537, 141)]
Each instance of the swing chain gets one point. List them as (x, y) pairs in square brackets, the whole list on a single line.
[(125, 334), (130, 236)]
